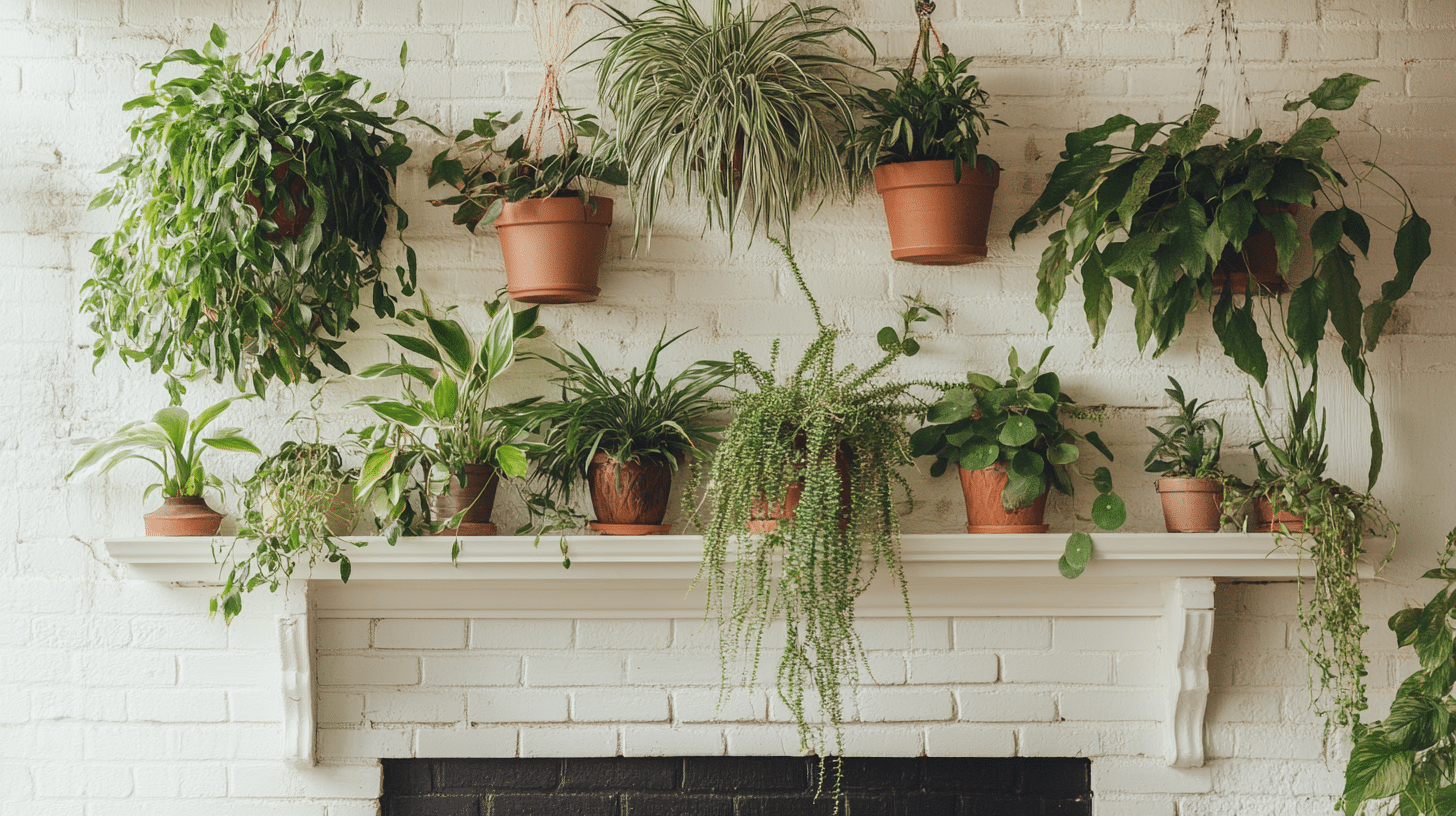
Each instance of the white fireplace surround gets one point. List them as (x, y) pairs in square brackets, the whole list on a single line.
[(507, 654)]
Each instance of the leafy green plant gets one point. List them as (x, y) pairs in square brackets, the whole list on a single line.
[(839, 434), (1189, 446), (1158, 215), (632, 417), (292, 504), (1337, 519), (430, 434), (938, 116), (169, 443), (1018, 423), (488, 175), (745, 113), (1406, 763), (254, 208)]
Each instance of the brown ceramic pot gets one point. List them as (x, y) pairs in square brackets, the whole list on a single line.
[(476, 498), (985, 512), (768, 514), (293, 189), (933, 219), (553, 248), (630, 498), (182, 516), (1267, 522), (1259, 258), (1191, 505)]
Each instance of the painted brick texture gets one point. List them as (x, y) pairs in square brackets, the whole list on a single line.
[(121, 697)]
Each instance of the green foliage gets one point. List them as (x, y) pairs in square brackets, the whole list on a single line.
[(488, 175), (635, 417), (198, 276), (939, 116), (168, 443), (288, 515), (1189, 446), (1337, 519), (1157, 216), (429, 434), (1409, 758), (839, 433), (746, 114), (1017, 424)]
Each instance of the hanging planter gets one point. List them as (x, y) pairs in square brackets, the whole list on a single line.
[(767, 514), (933, 218), (986, 510), (1259, 258), (553, 247)]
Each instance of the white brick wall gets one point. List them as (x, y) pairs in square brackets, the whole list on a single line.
[(120, 697)]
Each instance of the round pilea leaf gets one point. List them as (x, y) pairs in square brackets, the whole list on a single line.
[(1063, 454), (1027, 463), (1108, 511), (977, 457), (1018, 431), (1076, 555)]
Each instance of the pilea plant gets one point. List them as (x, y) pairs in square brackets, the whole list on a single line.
[(1406, 763), (254, 209), (1159, 213), (821, 449)]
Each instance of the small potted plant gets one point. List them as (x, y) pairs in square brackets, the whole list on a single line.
[(1011, 446), (439, 452), (743, 113), (922, 138), (624, 436), (254, 210), (553, 231), (1190, 483), (169, 443)]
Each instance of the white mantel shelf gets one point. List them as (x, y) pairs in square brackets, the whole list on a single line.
[(1170, 576)]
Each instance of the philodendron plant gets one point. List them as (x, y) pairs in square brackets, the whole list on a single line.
[(1189, 446), (1158, 213), (1019, 423)]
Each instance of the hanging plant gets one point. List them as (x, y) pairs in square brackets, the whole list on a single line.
[(254, 209), (1158, 215), (744, 113)]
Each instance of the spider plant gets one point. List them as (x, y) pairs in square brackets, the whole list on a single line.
[(745, 113)]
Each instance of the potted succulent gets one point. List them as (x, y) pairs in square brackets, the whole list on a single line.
[(254, 209), (1159, 213), (820, 452), (439, 452), (169, 443), (741, 112), (1190, 483), (921, 138), (624, 436), (1011, 446), (553, 232), (297, 506)]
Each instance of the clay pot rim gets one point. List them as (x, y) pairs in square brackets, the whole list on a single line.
[(1007, 529), (555, 210), (1187, 484), (606, 528), (935, 173)]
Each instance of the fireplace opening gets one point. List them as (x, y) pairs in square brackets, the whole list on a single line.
[(735, 786)]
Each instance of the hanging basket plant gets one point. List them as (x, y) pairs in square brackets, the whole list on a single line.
[(254, 209)]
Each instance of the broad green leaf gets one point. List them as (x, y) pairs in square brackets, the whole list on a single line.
[(1286, 237), (1064, 454), (1183, 139), (1416, 723), (1108, 511), (1018, 431), (1235, 219), (1305, 324), (1433, 640), (397, 412), (926, 440), (1021, 491), (1076, 555), (1338, 93), (957, 404), (173, 421), (236, 444), (1239, 334), (1142, 182), (218, 36), (1376, 770), (511, 460), (500, 344), (1028, 464), (1097, 296), (453, 341), (887, 338), (1102, 480), (1342, 292), (376, 466), (445, 396), (979, 457), (416, 345), (1309, 140)]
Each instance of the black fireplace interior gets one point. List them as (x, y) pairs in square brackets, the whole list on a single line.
[(735, 786)]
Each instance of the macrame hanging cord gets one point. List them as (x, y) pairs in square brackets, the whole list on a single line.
[(554, 29), (923, 10), (1231, 95)]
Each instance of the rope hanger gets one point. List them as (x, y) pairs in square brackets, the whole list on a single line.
[(1239, 107), (923, 10)]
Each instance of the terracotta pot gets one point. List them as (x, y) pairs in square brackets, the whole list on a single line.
[(933, 219), (768, 514), (985, 512), (630, 498), (1191, 505), (294, 189), (1259, 257), (553, 248), (339, 511), (476, 498), (1267, 522), (182, 516)]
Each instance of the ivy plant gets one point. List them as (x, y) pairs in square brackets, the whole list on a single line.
[(1019, 423), (1157, 213), (1406, 763), (1189, 446), (254, 207)]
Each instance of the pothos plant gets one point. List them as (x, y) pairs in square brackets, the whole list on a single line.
[(1158, 213), (254, 208), (1189, 446), (1406, 763), (837, 434), (1337, 520), (443, 418), (1018, 423)]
